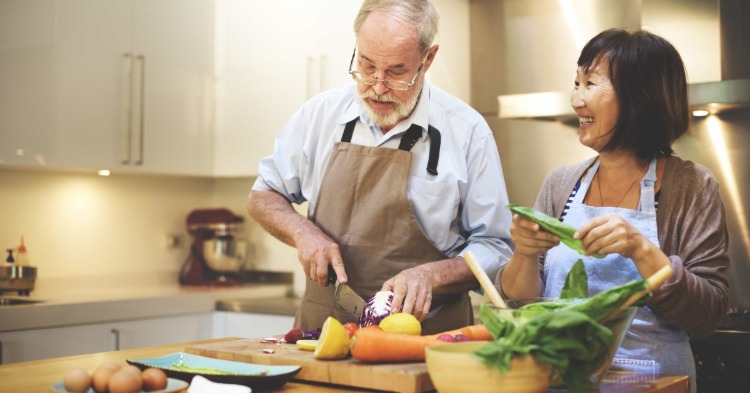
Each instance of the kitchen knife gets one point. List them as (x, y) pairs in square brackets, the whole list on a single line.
[(344, 296)]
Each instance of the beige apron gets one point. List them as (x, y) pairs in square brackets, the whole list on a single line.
[(362, 205)]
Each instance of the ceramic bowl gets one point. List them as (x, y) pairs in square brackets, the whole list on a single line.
[(453, 369)]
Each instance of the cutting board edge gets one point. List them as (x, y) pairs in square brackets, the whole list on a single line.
[(392, 377)]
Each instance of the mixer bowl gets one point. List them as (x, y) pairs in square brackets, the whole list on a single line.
[(225, 254)]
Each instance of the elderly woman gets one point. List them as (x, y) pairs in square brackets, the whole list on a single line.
[(635, 202)]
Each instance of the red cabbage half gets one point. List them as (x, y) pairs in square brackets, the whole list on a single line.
[(377, 308)]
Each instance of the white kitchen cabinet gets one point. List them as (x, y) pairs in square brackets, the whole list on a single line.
[(27, 345), (27, 38), (250, 325), (271, 57), (134, 85)]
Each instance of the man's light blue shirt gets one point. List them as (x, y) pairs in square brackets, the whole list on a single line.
[(460, 209)]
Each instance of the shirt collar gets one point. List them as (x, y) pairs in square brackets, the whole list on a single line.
[(420, 115)]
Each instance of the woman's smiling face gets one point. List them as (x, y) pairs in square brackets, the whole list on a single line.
[(595, 102)]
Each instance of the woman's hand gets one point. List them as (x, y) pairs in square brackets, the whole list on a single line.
[(529, 239), (609, 234)]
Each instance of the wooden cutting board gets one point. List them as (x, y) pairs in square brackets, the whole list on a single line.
[(397, 377)]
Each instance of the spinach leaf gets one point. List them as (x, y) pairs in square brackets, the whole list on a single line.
[(576, 282), (552, 225)]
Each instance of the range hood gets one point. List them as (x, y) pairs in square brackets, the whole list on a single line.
[(726, 22), (712, 97)]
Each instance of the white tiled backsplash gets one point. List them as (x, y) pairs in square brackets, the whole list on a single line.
[(80, 224)]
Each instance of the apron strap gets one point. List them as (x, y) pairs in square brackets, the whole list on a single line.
[(348, 131), (410, 138), (434, 150)]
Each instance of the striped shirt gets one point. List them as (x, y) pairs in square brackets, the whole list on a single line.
[(575, 190)]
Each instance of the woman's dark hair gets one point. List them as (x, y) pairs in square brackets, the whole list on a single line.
[(651, 86)]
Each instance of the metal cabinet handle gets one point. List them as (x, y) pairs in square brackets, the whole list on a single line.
[(141, 123), (127, 134), (116, 334), (1, 352)]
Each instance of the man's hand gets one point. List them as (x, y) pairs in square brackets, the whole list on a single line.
[(412, 292), (315, 249), (315, 252)]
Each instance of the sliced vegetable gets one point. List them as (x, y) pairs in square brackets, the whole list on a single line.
[(376, 308), (307, 345), (294, 334), (374, 345), (552, 225), (378, 346), (477, 332)]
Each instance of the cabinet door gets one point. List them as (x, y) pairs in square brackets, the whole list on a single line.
[(250, 325), (28, 345), (159, 331), (174, 47), (135, 85), (38, 344), (27, 36), (272, 57), (94, 40), (263, 59)]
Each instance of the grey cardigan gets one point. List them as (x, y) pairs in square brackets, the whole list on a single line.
[(691, 222)]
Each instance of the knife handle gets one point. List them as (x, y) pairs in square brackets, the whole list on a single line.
[(331, 275)]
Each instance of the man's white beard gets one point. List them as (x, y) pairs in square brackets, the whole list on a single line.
[(401, 111)]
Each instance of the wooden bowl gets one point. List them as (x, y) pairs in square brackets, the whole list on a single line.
[(453, 369)]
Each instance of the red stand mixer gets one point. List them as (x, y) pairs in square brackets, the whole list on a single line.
[(216, 257)]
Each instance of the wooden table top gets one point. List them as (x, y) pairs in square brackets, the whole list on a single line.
[(37, 376)]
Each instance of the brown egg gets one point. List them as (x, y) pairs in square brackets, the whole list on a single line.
[(100, 377), (154, 379), (77, 380), (125, 381), (133, 369)]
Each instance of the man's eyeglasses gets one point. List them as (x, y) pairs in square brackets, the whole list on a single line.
[(372, 80)]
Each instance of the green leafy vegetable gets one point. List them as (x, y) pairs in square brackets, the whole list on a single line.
[(572, 334), (576, 283), (552, 225)]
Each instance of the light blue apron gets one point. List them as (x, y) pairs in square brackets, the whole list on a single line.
[(652, 344)]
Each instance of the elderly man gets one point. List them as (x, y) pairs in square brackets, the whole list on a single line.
[(401, 178)]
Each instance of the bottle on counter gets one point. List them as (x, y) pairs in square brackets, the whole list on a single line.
[(22, 257), (10, 259)]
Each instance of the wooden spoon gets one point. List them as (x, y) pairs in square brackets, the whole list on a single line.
[(484, 281)]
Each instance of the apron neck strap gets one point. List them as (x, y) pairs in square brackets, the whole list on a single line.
[(408, 140)]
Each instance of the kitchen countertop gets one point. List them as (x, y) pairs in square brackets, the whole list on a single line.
[(85, 300), (37, 376), (288, 305)]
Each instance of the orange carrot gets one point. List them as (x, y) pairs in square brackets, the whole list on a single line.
[(474, 332), (377, 346)]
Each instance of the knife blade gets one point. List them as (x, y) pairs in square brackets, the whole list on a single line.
[(345, 297)]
